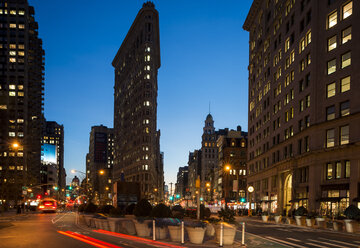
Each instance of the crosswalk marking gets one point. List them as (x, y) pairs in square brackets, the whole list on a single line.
[(340, 242), (296, 240), (317, 245), (326, 243), (285, 242)]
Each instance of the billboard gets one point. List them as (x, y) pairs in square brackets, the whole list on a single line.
[(48, 154)]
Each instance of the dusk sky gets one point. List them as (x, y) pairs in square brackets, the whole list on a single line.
[(204, 58)]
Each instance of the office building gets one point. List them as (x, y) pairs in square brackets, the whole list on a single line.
[(137, 156), (21, 100), (303, 104)]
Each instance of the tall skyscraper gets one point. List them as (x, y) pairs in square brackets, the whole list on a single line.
[(21, 99), (303, 104), (100, 164), (52, 159), (137, 147)]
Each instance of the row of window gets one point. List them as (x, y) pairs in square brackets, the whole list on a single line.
[(345, 37), (13, 167), (344, 86), (345, 62), (346, 11), (337, 170), (344, 110), (344, 136), (12, 12)]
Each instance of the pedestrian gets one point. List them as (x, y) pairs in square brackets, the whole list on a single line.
[(18, 209)]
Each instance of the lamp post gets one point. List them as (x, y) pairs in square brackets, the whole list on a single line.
[(86, 179), (250, 190)]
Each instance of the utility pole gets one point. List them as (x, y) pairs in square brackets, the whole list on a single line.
[(171, 193)]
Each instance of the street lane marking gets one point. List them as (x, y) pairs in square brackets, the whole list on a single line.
[(296, 240), (54, 221), (261, 237), (88, 240), (340, 242), (137, 239), (317, 245), (283, 241), (326, 243)]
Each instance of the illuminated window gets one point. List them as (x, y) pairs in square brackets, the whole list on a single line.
[(12, 60), (302, 45), (308, 38), (147, 58), (20, 167), (21, 46), (21, 12), (12, 53), (146, 103), (0, 167), (287, 44), (346, 60), (330, 89), (330, 138), (332, 43), (347, 10), (147, 76), (12, 93), (20, 93), (12, 87), (21, 53), (345, 108), (345, 84), (147, 49), (11, 167), (21, 134), (331, 66), (307, 101), (346, 35), (12, 25), (12, 134), (147, 68), (332, 20), (344, 135), (3, 106), (12, 46), (12, 12), (330, 113), (20, 154), (147, 130), (329, 171), (21, 26), (347, 169)]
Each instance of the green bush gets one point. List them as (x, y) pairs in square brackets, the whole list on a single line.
[(178, 212), (161, 211), (191, 212), (90, 208), (81, 208), (130, 209), (116, 212), (105, 209), (143, 208), (301, 211), (227, 215), (352, 212)]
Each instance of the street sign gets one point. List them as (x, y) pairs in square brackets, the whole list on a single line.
[(24, 192)]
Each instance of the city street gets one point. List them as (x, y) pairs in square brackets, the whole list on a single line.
[(294, 236)]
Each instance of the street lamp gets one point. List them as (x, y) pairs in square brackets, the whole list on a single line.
[(250, 189), (101, 172), (15, 145)]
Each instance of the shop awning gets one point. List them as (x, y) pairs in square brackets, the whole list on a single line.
[(330, 199)]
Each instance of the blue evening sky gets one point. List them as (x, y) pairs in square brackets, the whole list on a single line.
[(204, 58)]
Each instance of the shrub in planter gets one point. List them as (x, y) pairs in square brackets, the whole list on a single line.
[(229, 233), (301, 211), (265, 216), (227, 215), (190, 212), (116, 212), (143, 208), (310, 219), (178, 212), (105, 209), (196, 231), (352, 212), (161, 211), (130, 209), (81, 208), (90, 208)]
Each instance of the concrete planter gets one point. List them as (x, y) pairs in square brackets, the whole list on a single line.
[(289, 220), (300, 220), (142, 229), (160, 232), (196, 234), (264, 218), (320, 222), (92, 223), (175, 233), (127, 226), (87, 219), (210, 230), (229, 234), (350, 225), (278, 218), (114, 224), (310, 222), (338, 225)]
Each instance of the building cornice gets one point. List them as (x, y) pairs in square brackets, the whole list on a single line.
[(252, 14)]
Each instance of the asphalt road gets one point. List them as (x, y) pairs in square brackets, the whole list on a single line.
[(301, 237), (56, 231)]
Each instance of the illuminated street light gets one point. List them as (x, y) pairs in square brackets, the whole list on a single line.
[(101, 172), (15, 145), (207, 184), (227, 167)]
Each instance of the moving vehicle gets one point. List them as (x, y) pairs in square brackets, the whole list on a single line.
[(48, 205)]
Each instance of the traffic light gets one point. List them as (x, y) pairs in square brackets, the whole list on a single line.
[(243, 200), (67, 195), (171, 198), (201, 199), (38, 196), (178, 196), (56, 188), (46, 193), (70, 187)]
